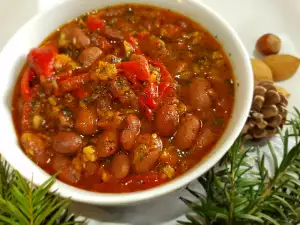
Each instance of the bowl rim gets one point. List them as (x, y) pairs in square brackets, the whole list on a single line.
[(128, 198)]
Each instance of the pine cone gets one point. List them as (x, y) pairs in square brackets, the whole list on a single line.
[(268, 112)]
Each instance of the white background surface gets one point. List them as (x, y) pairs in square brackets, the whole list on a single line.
[(250, 18)]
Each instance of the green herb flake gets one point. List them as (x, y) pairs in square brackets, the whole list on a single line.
[(66, 111), (219, 122)]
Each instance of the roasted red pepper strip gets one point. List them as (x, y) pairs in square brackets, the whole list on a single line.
[(93, 23), (63, 75), (73, 83), (41, 59), (131, 77), (25, 82), (146, 110), (139, 67), (150, 95), (142, 35), (167, 83), (165, 75), (81, 93)]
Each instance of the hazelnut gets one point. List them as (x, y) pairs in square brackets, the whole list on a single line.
[(268, 44)]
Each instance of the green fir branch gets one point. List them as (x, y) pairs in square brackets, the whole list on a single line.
[(241, 194), (22, 203)]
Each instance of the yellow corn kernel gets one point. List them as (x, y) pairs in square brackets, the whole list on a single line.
[(55, 110), (69, 97), (154, 135), (128, 49), (153, 76), (82, 104), (37, 121), (61, 61), (63, 41), (89, 154), (52, 100), (105, 176), (169, 171), (105, 71), (181, 108), (26, 139)]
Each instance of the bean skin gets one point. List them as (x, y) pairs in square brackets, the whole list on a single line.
[(70, 175), (33, 143), (204, 139), (60, 162), (67, 142), (120, 167), (75, 35), (132, 126), (146, 152), (88, 56), (187, 132), (36, 147), (107, 143), (112, 34), (86, 121), (197, 95), (64, 167), (167, 120)]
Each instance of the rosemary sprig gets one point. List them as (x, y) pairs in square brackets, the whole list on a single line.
[(241, 193), (22, 203)]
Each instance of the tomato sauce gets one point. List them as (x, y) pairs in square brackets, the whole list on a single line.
[(123, 99)]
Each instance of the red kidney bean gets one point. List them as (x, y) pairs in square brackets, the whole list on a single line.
[(33, 143), (132, 126), (75, 35), (91, 168), (112, 34), (60, 162), (120, 166), (187, 132), (66, 171), (146, 152), (166, 120), (107, 143), (197, 95), (66, 142), (88, 56), (86, 121), (205, 138)]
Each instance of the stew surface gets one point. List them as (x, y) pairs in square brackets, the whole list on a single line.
[(123, 98)]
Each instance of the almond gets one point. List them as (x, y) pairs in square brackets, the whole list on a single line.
[(261, 71), (282, 66), (283, 91)]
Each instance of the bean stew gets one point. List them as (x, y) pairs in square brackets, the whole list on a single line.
[(123, 99)]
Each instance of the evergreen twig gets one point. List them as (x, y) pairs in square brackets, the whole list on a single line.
[(241, 194)]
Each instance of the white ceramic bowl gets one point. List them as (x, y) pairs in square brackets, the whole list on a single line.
[(32, 33)]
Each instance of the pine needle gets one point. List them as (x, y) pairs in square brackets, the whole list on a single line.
[(22, 203), (243, 194)]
